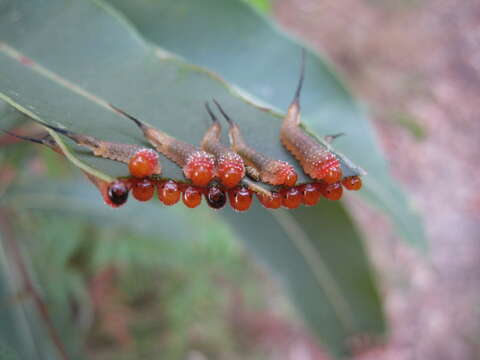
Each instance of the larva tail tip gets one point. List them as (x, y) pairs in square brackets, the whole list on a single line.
[(229, 120), (57, 129), (296, 98), (128, 116), (210, 112)]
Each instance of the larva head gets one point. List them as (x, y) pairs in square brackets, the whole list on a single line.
[(240, 198), (143, 189), (311, 193), (144, 163), (284, 174), (332, 191), (292, 197), (216, 197), (117, 193), (270, 202), (352, 183), (200, 168), (192, 196), (230, 169), (169, 192)]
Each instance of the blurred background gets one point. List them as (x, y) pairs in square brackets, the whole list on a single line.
[(115, 293)]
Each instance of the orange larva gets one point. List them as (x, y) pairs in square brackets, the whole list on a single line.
[(215, 196), (352, 183), (240, 198), (117, 193), (169, 192), (292, 198), (311, 194), (270, 202), (143, 163), (192, 196), (332, 191), (143, 190), (315, 158), (197, 165)]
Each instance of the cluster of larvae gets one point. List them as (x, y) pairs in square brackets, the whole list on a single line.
[(215, 170)]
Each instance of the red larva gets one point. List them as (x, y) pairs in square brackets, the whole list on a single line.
[(215, 196), (240, 198), (143, 163), (270, 202), (311, 194), (332, 191), (117, 193), (197, 165), (316, 160), (230, 166), (169, 192), (143, 190), (192, 196), (259, 166), (352, 183), (292, 198)]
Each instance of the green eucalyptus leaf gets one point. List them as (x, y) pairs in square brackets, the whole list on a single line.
[(243, 47), (61, 62)]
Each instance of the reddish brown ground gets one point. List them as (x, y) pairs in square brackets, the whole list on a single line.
[(420, 61)]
